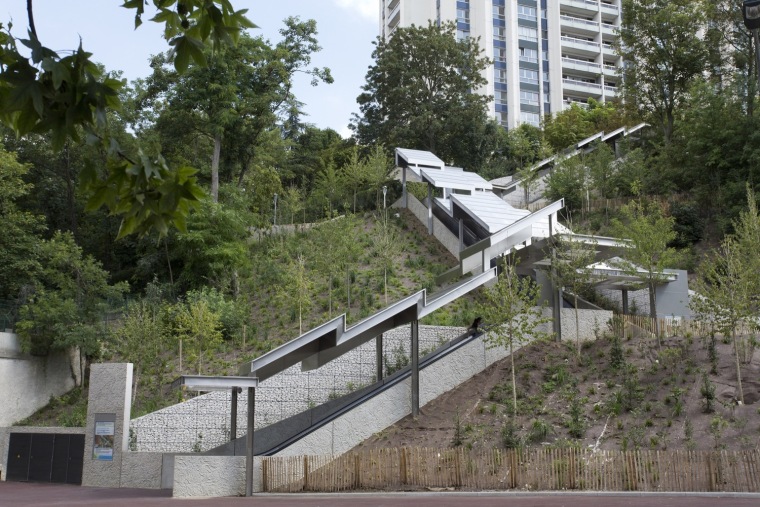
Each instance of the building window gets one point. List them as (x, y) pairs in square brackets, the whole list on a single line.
[(531, 118), (500, 75), (462, 34), (500, 54), (498, 12), (526, 12), (529, 55), (501, 97), (527, 33), (528, 97), (502, 118), (463, 15), (499, 33), (529, 76)]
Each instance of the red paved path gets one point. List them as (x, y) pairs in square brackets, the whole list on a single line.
[(14, 494)]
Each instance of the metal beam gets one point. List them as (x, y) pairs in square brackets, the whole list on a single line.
[(415, 352), (249, 442)]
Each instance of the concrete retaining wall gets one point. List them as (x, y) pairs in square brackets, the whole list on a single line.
[(210, 476), (441, 233), (591, 323), (28, 382)]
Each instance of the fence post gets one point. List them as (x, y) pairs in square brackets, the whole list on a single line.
[(357, 471), (265, 475), (305, 473), (402, 466)]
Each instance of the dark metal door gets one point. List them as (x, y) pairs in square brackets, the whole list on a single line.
[(19, 446), (45, 457), (41, 457)]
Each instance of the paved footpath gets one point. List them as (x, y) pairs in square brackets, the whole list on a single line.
[(15, 494)]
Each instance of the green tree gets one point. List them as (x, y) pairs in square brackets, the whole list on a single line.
[(664, 52), (69, 97), (236, 99), (68, 299), (729, 282), (512, 306), (419, 94), (20, 229), (385, 246), (298, 289), (572, 263), (648, 233), (141, 339), (199, 328)]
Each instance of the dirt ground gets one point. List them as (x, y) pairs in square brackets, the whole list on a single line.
[(655, 400)]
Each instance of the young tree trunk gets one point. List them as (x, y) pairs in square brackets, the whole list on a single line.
[(577, 325), (215, 167), (738, 366), (653, 312)]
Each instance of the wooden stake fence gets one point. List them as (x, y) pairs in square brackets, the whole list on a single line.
[(636, 324), (525, 469)]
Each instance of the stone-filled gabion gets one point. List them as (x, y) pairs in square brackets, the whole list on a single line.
[(203, 422)]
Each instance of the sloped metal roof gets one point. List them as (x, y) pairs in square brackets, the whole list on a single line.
[(489, 210), (418, 158), (455, 179)]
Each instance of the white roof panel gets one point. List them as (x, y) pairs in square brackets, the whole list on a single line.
[(491, 212), (420, 158), (455, 180)]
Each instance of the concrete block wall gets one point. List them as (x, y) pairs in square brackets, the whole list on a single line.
[(28, 382), (591, 323)]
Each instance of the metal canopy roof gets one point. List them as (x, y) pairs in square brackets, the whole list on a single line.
[(492, 213), (329, 341), (206, 383), (418, 158), (455, 179)]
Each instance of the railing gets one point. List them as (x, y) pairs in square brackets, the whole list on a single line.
[(516, 469), (610, 7), (581, 21), (586, 3), (594, 86), (582, 42), (528, 59), (581, 63)]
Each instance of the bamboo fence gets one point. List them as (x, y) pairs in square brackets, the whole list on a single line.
[(524, 469)]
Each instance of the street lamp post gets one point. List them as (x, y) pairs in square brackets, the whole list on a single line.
[(385, 191), (751, 14)]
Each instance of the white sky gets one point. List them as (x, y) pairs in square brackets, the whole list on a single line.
[(346, 30)]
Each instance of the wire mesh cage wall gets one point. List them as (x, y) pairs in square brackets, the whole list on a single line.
[(204, 422)]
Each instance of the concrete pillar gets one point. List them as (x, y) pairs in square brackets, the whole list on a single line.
[(403, 187), (249, 442), (107, 433), (625, 301), (415, 352), (379, 356), (461, 235), (430, 209), (233, 414)]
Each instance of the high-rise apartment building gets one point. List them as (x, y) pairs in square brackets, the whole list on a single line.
[(547, 54)]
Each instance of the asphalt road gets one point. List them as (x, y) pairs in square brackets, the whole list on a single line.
[(15, 494)]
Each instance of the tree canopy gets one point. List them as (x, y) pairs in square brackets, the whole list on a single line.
[(418, 95), (69, 98)]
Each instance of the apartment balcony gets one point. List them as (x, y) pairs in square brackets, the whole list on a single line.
[(393, 23), (583, 7), (392, 6), (610, 8), (608, 49), (580, 25), (568, 103), (611, 91), (610, 70), (581, 66), (610, 29), (580, 46), (581, 87)]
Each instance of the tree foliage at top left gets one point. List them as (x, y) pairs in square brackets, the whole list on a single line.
[(68, 97)]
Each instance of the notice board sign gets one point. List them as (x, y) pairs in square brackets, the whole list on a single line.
[(105, 429)]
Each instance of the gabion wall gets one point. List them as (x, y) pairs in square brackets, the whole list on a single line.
[(203, 423)]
